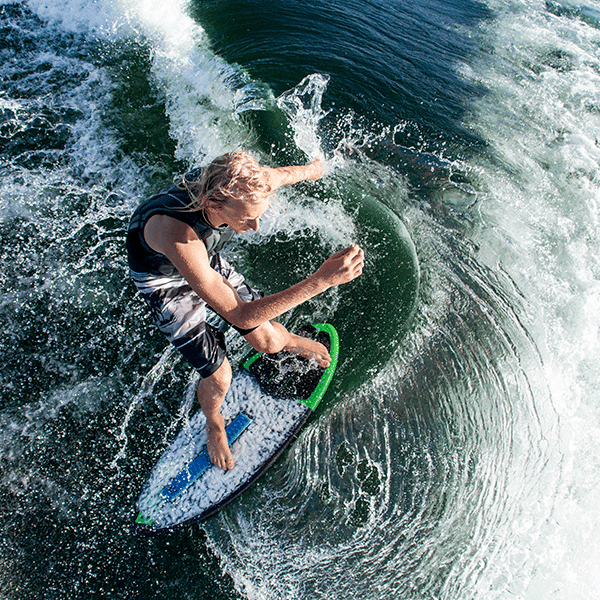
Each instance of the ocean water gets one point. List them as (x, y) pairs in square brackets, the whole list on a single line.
[(456, 455)]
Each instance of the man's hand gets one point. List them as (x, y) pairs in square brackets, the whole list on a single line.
[(341, 267), (314, 169)]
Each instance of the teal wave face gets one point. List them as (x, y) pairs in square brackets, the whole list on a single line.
[(386, 61), (372, 313)]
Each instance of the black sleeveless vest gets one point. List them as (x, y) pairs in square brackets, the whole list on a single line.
[(141, 258)]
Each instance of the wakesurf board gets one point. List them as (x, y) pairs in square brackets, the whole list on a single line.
[(268, 402)]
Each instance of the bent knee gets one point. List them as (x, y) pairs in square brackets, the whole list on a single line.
[(266, 339)]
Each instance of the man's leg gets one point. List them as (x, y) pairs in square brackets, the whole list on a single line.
[(272, 337), (211, 393)]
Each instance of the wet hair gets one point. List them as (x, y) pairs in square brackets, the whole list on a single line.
[(235, 175)]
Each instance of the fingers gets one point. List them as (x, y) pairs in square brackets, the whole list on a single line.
[(355, 257), (351, 251), (356, 251), (357, 260), (343, 266)]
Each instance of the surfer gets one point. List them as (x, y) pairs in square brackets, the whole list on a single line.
[(174, 242)]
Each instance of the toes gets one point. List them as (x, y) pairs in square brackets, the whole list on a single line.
[(220, 457), (225, 463)]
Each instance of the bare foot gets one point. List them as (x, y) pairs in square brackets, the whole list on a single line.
[(309, 349), (217, 447)]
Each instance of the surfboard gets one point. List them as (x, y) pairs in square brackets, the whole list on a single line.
[(270, 399)]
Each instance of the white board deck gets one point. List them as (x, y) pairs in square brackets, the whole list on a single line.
[(274, 421)]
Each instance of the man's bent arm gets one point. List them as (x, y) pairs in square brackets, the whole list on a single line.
[(180, 244)]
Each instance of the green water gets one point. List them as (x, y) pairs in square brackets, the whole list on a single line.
[(453, 456)]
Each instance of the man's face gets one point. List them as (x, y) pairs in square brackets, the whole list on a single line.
[(241, 215)]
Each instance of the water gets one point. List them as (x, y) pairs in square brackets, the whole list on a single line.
[(457, 453)]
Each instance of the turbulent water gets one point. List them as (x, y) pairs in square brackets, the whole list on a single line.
[(456, 456)]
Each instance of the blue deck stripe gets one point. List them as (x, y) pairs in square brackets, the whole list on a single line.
[(201, 463)]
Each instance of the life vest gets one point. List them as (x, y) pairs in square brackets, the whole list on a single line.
[(142, 259)]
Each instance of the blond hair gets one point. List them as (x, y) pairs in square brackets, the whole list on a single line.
[(235, 175)]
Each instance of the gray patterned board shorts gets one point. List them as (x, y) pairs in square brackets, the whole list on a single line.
[(181, 314)]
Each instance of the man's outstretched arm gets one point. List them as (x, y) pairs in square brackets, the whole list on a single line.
[(279, 176)]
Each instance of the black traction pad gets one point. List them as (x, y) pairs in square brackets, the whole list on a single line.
[(288, 375)]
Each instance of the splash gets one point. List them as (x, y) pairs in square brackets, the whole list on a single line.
[(303, 106), (203, 94)]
